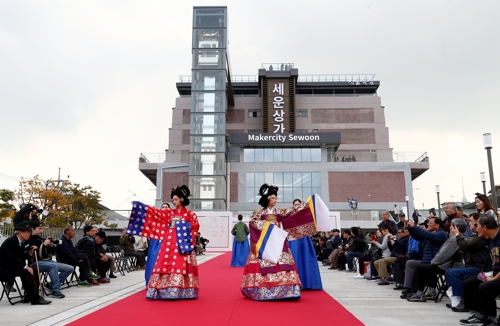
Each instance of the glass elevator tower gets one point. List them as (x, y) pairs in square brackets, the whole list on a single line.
[(207, 149)]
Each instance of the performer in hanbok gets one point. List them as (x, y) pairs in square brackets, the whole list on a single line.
[(154, 247), (241, 248), (265, 280), (305, 259), (175, 272)]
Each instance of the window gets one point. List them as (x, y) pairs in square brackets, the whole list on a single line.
[(301, 113), (254, 113), (281, 154), (292, 185)]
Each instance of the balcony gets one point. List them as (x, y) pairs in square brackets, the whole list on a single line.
[(419, 162)]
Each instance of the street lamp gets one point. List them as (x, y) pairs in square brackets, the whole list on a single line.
[(488, 145), (483, 180), (439, 202), (407, 198)]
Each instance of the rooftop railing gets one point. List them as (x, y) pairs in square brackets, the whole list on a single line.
[(410, 157), (165, 157), (366, 79)]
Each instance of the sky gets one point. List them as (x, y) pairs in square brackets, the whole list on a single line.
[(87, 86)]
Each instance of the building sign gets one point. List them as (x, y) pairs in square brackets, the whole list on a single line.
[(278, 98), (280, 139)]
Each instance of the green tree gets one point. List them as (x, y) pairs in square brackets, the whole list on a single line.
[(64, 203), (6, 198)]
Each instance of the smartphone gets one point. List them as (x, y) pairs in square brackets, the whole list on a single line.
[(374, 238)]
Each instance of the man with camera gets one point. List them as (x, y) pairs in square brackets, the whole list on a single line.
[(127, 242), (46, 248), (13, 255), (24, 214)]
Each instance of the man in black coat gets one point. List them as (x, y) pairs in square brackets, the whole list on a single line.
[(24, 214), (13, 263), (67, 254)]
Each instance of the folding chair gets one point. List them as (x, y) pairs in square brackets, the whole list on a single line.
[(441, 287), (6, 290)]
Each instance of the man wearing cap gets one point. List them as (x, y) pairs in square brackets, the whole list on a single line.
[(402, 220), (335, 239), (13, 263), (23, 214), (101, 260), (58, 272)]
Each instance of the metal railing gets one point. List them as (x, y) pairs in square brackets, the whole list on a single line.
[(164, 157), (410, 157), (366, 79), (335, 95)]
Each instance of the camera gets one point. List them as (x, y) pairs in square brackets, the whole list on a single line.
[(56, 241)]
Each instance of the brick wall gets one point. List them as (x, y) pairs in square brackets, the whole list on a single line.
[(186, 117), (381, 186), (234, 187), (185, 136), (172, 180), (342, 116), (235, 116), (354, 136)]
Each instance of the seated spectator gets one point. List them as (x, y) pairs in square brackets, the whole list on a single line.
[(111, 258), (413, 252), (369, 254), (431, 241), (67, 254), (203, 242), (450, 209), (385, 252), (325, 249), (398, 248), (449, 255), (356, 249), (335, 240), (402, 221), (476, 257), (141, 245), (58, 272), (334, 257), (102, 261), (86, 245), (481, 290), (127, 242), (13, 263)]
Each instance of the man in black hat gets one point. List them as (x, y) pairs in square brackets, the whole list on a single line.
[(58, 272), (13, 263), (23, 214)]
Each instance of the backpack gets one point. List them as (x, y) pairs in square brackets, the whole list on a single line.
[(413, 249)]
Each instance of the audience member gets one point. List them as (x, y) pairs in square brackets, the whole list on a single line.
[(481, 290), (398, 248), (388, 221), (127, 243), (451, 213), (385, 252), (334, 257), (431, 241), (13, 263), (369, 254), (67, 254), (483, 205), (356, 249), (103, 263), (448, 256), (476, 257), (402, 221), (46, 248)]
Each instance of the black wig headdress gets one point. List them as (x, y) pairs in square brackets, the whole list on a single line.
[(183, 193), (265, 191)]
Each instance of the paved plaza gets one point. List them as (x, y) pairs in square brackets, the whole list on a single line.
[(371, 303)]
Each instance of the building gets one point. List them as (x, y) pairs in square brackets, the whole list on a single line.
[(307, 134)]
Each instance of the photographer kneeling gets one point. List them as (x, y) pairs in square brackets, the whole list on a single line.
[(46, 248)]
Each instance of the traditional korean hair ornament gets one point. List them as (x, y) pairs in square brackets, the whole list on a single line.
[(183, 193), (265, 191)]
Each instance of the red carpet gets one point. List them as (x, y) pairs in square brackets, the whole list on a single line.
[(220, 302)]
